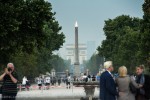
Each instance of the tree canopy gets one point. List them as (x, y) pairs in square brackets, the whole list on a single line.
[(145, 33), (127, 40), (29, 33), (27, 25), (122, 41), (94, 63)]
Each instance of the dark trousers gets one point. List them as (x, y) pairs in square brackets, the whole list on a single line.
[(8, 97), (68, 84), (140, 97)]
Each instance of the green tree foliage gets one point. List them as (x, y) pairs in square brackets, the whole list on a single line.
[(94, 63), (25, 65), (121, 44), (8, 28), (59, 64), (29, 33), (128, 40), (145, 33), (27, 25), (32, 65)]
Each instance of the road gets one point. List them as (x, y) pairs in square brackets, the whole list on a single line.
[(54, 93)]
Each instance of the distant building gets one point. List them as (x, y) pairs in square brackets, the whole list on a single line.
[(70, 53)]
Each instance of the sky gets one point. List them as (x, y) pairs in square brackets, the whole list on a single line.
[(91, 15)]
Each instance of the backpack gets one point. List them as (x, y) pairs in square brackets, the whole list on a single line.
[(146, 86)]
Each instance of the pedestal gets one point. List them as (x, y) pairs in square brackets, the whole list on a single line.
[(76, 70), (89, 90)]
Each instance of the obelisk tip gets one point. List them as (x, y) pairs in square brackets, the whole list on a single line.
[(76, 24)]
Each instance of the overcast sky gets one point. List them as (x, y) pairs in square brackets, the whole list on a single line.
[(90, 15)]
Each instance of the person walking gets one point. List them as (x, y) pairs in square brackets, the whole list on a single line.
[(84, 77), (59, 81), (123, 83), (68, 82), (47, 80), (25, 83), (39, 82), (9, 78), (93, 78), (108, 89)]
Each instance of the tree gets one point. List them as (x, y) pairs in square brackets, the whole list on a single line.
[(8, 28), (121, 44), (29, 33), (59, 64), (94, 63), (145, 34), (27, 26), (26, 65)]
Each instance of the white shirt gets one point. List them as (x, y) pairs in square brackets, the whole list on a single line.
[(39, 81), (84, 76), (69, 79), (24, 80), (109, 72), (47, 79)]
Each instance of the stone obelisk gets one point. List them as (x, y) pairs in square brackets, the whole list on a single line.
[(76, 63)]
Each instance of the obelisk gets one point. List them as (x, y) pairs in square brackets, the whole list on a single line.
[(76, 63)]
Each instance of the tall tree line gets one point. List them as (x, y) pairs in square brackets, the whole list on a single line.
[(94, 64), (127, 40), (29, 33)]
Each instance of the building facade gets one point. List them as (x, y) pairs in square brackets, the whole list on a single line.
[(70, 53)]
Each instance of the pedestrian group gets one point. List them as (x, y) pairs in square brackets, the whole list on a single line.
[(121, 87)]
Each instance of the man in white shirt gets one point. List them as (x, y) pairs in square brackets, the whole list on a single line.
[(47, 80), (68, 81), (24, 80), (39, 81)]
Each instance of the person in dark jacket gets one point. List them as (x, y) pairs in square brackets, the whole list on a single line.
[(107, 84), (9, 78), (140, 79)]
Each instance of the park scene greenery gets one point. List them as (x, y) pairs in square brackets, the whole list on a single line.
[(30, 33), (127, 40)]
